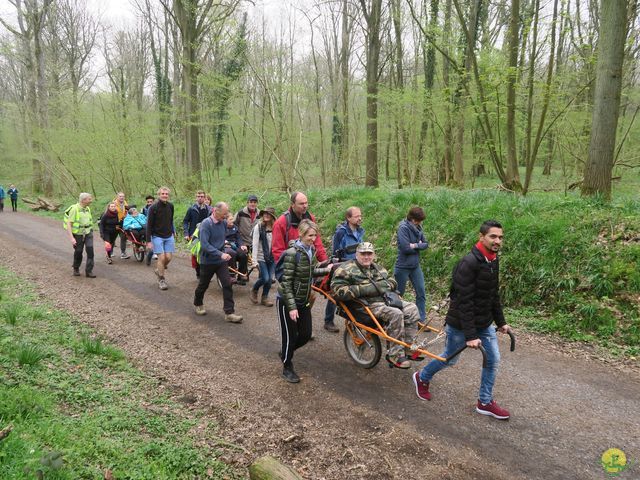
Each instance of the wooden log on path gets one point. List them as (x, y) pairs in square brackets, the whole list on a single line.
[(268, 468)]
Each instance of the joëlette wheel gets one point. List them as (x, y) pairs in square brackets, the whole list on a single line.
[(363, 347)]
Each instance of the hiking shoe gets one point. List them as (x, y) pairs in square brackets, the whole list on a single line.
[(253, 295), (200, 310), (162, 284), (493, 410), (398, 361), (90, 275), (109, 260), (76, 272), (233, 318), (331, 327), (125, 256), (289, 374), (422, 388), (266, 302)]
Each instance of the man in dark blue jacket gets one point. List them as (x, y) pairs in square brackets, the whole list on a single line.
[(195, 214), (213, 261), (348, 234), (475, 306), (411, 242)]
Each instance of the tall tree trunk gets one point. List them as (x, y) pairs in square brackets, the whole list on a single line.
[(531, 158), (513, 176), (461, 94), (345, 43), (429, 65), (447, 156), (373, 58), (613, 32), (402, 137)]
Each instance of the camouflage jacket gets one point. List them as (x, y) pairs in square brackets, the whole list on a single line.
[(351, 281), (295, 287)]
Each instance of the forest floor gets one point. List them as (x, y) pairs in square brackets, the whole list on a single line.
[(340, 422)]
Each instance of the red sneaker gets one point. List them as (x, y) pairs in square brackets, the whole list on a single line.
[(422, 388), (492, 409)]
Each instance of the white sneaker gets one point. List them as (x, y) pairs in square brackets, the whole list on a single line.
[(200, 310), (155, 257)]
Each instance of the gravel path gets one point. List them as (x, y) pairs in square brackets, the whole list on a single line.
[(340, 422)]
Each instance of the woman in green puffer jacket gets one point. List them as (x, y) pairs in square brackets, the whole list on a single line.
[(294, 293)]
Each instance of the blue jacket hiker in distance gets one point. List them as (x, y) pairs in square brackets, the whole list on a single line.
[(13, 194), (411, 242), (348, 233)]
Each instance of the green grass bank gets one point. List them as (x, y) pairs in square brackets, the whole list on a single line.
[(80, 410)]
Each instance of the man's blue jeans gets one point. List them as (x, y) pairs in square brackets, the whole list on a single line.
[(417, 279), (455, 341), (329, 312)]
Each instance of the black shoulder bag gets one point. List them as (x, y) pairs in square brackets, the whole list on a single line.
[(391, 298)]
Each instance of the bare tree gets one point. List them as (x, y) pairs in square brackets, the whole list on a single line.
[(31, 17), (513, 176), (77, 36), (372, 12), (194, 19)]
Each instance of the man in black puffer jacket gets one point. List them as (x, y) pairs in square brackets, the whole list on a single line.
[(475, 305)]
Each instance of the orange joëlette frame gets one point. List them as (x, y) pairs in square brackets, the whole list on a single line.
[(379, 331)]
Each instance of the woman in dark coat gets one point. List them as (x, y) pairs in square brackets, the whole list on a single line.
[(108, 229), (293, 301)]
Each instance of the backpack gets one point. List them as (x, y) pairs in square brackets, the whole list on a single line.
[(194, 243), (280, 264), (65, 216)]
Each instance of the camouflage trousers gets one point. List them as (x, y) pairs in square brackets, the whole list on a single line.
[(401, 324)]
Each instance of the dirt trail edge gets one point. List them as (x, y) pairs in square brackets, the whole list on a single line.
[(340, 422)]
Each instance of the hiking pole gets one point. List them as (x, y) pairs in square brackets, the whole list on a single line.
[(237, 272)]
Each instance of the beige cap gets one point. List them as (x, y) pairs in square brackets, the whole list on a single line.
[(365, 247)]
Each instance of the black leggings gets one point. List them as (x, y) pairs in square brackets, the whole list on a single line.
[(294, 334), (14, 204), (111, 237)]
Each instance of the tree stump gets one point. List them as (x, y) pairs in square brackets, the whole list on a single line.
[(268, 468), (478, 169)]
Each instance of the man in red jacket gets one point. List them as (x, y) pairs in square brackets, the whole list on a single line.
[(286, 227)]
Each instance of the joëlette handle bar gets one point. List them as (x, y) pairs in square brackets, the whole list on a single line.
[(513, 341), (512, 337), (483, 351), (463, 348)]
